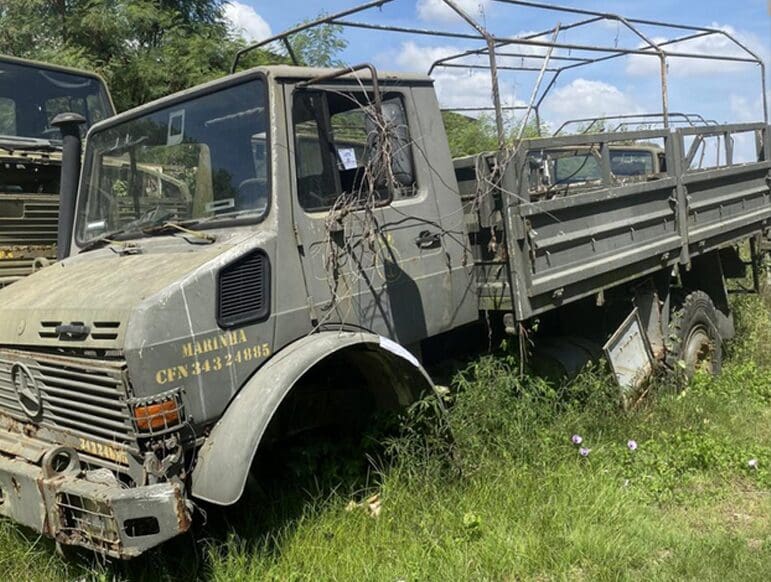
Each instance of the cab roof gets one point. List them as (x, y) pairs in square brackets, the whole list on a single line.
[(50, 67), (302, 73), (278, 72)]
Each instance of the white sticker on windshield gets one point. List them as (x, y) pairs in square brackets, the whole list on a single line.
[(220, 205), (99, 225), (176, 130), (400, 351), (348, 158)]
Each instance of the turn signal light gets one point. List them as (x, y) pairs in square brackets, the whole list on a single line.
[(157, 416)]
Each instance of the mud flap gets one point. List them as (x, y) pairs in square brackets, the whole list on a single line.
[(630, 356)]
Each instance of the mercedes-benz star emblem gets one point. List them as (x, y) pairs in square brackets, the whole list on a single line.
[(27, 390)]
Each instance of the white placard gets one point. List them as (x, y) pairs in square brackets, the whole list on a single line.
[(348, 158)]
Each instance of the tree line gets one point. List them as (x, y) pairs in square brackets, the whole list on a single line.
[(144, 49)]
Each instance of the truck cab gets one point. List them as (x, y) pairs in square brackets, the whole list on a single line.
[(278, 235), (31, 96)]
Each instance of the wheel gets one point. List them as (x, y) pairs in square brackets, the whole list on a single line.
[(696, 341)]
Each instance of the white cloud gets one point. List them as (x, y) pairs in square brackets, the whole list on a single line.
[(586, 98), (464, 88), (747, 109), (245, 20), (413, 57), (454, 87), (741, 108), (437, 10), (470, 90), (714, 45)]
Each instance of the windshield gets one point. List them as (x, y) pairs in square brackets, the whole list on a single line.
[(30, 97), (571, 169), (579, 167), (205, 159), (631, 162)]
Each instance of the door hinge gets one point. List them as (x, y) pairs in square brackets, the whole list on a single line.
[(312, 311), (298, 239)]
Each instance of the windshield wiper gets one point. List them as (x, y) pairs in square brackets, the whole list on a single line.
[(104, 239), (153, 223), (222, 216), (182, 227), (152, 218), (134, 228)]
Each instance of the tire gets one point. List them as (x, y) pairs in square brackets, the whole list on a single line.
[(696, 342)]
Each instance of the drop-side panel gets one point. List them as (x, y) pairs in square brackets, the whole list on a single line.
[(567, 247)]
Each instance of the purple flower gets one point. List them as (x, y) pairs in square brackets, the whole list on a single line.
[(584, 452), (577, 439), (631, 445), (752, 463)]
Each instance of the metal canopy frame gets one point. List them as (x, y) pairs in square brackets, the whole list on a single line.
[(554, 65)]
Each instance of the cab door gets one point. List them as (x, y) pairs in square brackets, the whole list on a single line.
[(375, 251)]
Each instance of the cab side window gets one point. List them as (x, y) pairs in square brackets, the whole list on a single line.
[(345, 155)]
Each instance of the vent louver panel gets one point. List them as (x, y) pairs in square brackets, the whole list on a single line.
[(243, 290), (35, 223), (99, 330)]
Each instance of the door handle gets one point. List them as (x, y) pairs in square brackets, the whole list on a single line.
[(428, 240)]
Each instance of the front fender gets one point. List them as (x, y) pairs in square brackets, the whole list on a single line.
[(224, 460)]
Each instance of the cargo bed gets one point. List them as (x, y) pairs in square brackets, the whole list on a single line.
[(539, 247)]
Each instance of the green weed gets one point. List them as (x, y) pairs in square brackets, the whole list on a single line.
[(495, 489)]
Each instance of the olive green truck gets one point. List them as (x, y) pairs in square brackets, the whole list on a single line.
[(31, 95), (310, 241)]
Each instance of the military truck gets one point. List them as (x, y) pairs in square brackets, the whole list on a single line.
[(571, 168), (31, 95), (300, 280)]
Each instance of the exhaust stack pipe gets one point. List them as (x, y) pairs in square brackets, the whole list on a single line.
[(69, 124)]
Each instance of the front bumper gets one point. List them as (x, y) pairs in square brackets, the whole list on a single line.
[(85, 509)]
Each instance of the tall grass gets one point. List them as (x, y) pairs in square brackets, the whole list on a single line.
[(509, 496)]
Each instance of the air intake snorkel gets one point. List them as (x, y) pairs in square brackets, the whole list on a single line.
[(69, 124)]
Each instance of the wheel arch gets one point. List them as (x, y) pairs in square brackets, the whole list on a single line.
[(224, 461)]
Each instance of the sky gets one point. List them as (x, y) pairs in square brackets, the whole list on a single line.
[(720, 91)]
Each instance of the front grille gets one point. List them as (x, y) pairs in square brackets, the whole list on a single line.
[(243, 291), (85, 397), (33, 220)]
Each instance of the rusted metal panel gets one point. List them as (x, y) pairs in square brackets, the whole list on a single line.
[(85, 397), (630, 355)]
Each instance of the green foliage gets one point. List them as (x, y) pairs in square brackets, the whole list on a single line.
[(145, 49), (469, 135), (494, 489), (318, 46)]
